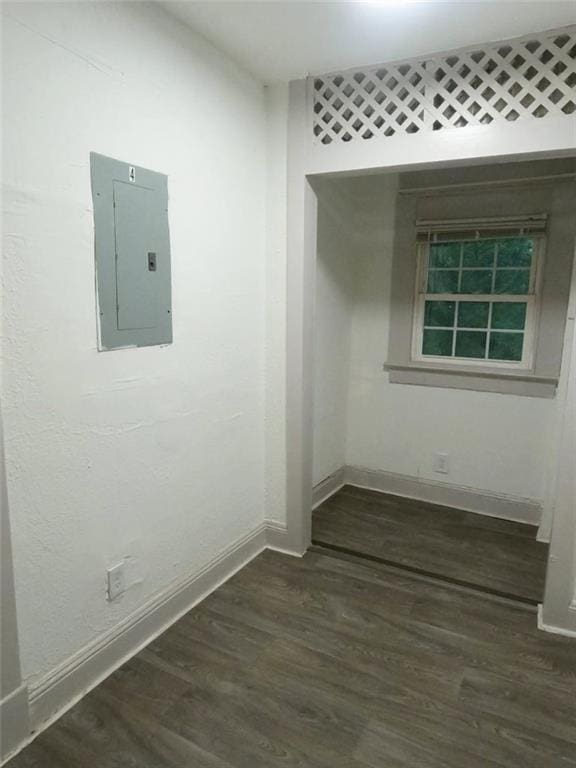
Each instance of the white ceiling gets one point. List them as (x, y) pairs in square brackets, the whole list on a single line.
[(278, 40)]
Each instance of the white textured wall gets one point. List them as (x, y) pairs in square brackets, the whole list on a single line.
[(335, 269), (9, 650), (153, 454), (275, 352), (497, 443)]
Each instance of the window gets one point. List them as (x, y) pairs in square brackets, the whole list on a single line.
[(477, 298), (471, 239)]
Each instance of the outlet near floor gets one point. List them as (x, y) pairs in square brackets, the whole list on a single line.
[(441, 463), (115, 581)]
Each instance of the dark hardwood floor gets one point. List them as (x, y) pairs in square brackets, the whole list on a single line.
[(484, 551), (328, 662)]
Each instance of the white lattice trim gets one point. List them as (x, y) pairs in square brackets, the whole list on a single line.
[(532, 77)]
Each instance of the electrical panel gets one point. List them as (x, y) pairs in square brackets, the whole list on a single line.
[(132, 248)]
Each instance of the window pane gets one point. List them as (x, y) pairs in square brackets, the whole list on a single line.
[(479, 253), (437, 343), (510, 315), (514, 281), (443, 281), (473, 314), (515, 252), (444, 255), (439, 313), (476, 281), (470, 344), (506, 346)]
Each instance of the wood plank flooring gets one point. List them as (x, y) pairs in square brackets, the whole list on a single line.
[(327, 662), (483, 551)]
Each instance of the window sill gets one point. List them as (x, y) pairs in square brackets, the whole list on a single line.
[(502, 381)]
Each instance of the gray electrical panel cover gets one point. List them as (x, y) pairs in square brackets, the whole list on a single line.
[(132, 247)]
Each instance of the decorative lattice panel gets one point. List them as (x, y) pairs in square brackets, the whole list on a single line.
[(530, 77)]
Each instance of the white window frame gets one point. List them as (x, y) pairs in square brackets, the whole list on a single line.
[(531, 299)]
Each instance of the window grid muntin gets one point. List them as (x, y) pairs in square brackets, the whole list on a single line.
[(489, 299), (530, 299), (494, 268)]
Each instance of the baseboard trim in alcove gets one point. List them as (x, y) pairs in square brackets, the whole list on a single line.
[(328, 487), (521, 510)]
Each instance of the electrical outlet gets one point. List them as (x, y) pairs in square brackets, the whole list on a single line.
[(115, 581), (441, 463)]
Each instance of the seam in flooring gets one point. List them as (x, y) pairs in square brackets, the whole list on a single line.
[(331, 549)]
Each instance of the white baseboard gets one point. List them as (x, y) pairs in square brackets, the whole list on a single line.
[(518, 509), (14, 722), (68, 683), (278, 539), (545, 527), (482, 502), (53, 695), (543, 536), (565, 632), (328, 487)]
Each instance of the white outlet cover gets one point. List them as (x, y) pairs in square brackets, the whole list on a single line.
[(115, 581), (441, 463)]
